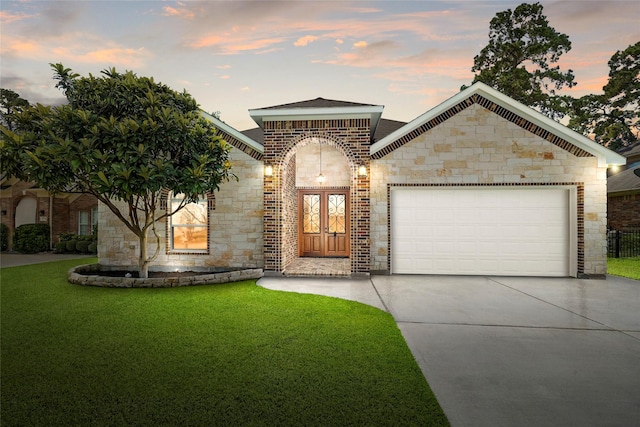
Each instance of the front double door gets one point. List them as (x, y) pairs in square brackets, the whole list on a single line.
[(324, 223)]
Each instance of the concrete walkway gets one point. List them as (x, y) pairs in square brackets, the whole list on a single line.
[(503, 351), (13, 260)]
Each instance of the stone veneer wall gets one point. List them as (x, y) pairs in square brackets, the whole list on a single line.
[(235, 227), (478, 147), (281, 140)]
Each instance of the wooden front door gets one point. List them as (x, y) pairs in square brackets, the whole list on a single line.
[(324, 223)]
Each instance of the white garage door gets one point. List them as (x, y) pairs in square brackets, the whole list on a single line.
[(508, 231)]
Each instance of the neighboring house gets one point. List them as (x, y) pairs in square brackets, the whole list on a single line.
[(479, 185), (623, 192), (23, 203)]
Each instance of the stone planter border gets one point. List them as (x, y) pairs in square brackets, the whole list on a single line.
[(78, 276)]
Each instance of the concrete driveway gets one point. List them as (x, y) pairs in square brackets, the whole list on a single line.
[(504, 351)]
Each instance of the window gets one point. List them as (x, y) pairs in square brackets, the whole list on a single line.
[(188, 227), (94, 219), (83, 223)]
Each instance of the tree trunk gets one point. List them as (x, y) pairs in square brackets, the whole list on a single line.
[(143, 262)]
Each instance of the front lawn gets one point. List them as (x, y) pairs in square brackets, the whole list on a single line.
[(233, 354), (625, 267)]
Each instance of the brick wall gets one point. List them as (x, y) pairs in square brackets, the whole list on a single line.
[(63, 219), (478, 147), (624, 211), (350, 137)]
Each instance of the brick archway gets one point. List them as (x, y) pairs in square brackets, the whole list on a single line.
[(280, 195)]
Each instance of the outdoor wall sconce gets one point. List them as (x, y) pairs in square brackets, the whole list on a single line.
[(42, 212), (268, 170), (362, 170), (4, 212)]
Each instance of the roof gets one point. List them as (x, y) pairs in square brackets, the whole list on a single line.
[(319, 109), (508, 108), (385, 127), (631, 150), (316, 103), (627, 180), (387, 135)]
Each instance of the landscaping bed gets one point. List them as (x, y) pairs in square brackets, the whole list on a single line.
[(98, 275)]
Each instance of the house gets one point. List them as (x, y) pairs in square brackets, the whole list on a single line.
[(23, 203), (623, 192), (478, 185)]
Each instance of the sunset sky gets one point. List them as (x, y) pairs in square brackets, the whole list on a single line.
[(235, 55)]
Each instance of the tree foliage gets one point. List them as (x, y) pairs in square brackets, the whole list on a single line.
[(121, 138), (520, 56), (10, 104), (613, 117)]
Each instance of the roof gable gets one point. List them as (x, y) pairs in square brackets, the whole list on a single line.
[(235, 138), (316, 103), (508, 109), (319, 109)]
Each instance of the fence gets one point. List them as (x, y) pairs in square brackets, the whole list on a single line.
[(623, 244)]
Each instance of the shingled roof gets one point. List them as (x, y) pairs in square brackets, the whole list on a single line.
[(627, 180), (385, 127), (316, 103)]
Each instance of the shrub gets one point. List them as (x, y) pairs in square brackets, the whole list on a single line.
[(65, 237), (93, 248), (71, 245), (31, 238), (4, 237), (61, 247), (83, 246)]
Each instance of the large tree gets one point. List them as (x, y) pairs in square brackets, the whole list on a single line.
[(519, 59), (613, 117), (122, 138), (10, 104)]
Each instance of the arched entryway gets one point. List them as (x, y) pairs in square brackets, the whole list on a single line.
[(323, 182), (313, 219)]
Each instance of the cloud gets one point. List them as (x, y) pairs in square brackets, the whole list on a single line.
[(231, 44), (303, 41), (225, 77), (8, 17), (360, 44), (182, 12), (19, 47)]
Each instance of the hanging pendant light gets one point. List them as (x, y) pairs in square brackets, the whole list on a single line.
[(321, 177)]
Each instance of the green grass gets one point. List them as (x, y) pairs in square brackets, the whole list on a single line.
[(625, 267), (233, 354)]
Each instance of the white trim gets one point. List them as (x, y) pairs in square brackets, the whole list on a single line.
[(373, 112), (604, 155), (219, 124)]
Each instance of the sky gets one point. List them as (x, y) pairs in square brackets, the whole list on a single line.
[(233, 56)]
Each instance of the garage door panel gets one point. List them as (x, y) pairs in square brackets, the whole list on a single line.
[(506, 231)]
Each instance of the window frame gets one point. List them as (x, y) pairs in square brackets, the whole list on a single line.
[(171, 225), (86, 224)]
